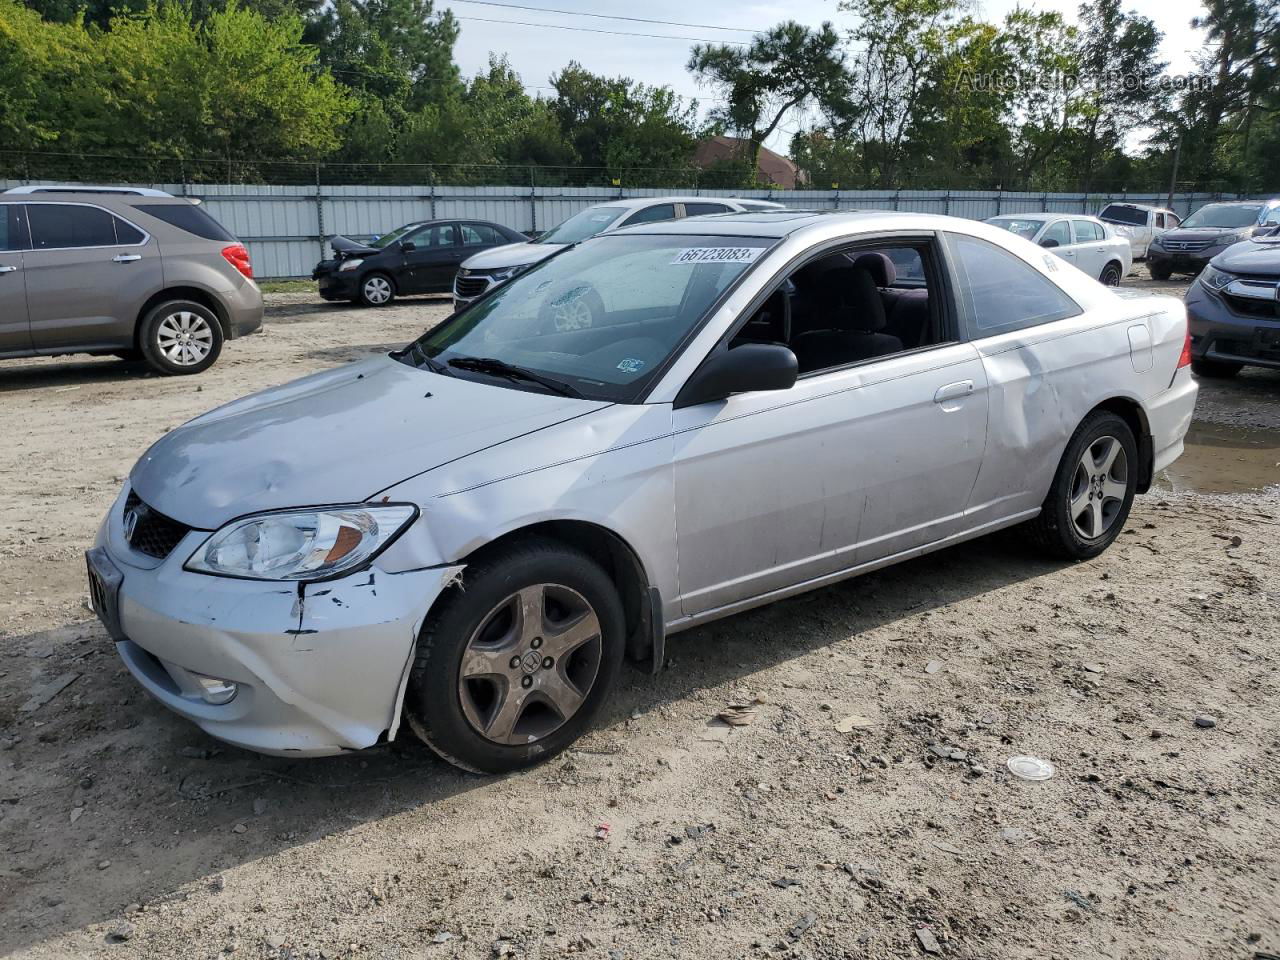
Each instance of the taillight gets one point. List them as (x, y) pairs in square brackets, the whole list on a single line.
[(237, 254), (1185, 359)]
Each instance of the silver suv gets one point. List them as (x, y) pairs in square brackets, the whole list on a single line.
[(124, 271)]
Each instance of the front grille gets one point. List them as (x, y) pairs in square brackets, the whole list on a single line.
[(469, 287), (1250, 307), (1186, 246), (153, 533)]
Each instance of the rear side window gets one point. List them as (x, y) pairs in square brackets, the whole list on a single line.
[(58, 226), (13, 229), (479, 234), (1000, 292), (1119, 213), (697, 209), (188, 217), (663, 211), (127, 234)]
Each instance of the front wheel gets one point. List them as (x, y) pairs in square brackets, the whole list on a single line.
[(180, 337), (1216, 369), (1092, 491), (1110, 275), (515, 663), (377, 290)]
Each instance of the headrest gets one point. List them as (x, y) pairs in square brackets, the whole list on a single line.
[(854, 295), (880, 266)]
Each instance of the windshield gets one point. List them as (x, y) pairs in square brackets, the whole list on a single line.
[(1023, 228), (582, 225), (1119, 213), (601, 318), (393, 236), (1224, 215)]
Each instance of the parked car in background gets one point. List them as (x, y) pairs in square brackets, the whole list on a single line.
[(133, 272), (1084, 242), (475, 531), (483, 271), (1208, 232), (1138, 223), (419, 257), (1234, 308)]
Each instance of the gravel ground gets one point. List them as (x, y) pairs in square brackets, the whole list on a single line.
[(866, 811)]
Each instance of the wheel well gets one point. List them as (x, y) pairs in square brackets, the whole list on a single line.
[(616, 558), (194, 294), (1131, 412), (1117, 264)]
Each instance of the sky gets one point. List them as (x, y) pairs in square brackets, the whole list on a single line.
[(536, 52)]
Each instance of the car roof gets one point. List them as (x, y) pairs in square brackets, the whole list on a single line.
[(1137, 206), (635, 203), (81, 188), (782, 223)]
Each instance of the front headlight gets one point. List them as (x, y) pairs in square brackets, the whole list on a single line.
[(303, 544), (502, 275), (350, 264), (1215, 279), (1155, 242)]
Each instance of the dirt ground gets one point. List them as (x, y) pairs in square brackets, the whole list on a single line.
[(125, 832)]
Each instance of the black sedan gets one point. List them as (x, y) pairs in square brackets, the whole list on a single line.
[(417, 258)]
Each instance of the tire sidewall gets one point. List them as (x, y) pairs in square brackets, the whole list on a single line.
[(1094, 428), (369, 276), (1111, 270), (149, 340), (432, 701)]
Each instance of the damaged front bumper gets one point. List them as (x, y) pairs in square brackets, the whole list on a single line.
[(310, 669)]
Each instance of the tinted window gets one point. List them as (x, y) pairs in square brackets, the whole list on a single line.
[(13, 232), (1001, 292), (1159, 221), (479, 234), (695, 209), (60, 225), (188, 217), (127, 233), (1058, 231), (662, 211), (1119, 213)]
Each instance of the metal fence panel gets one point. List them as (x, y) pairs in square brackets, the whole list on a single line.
[(286, 228)]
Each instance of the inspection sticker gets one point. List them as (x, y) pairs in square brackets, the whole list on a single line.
[(717, 255)]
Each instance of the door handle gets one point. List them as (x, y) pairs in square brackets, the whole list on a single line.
[(953, 391), (7, 269), (126, 257)]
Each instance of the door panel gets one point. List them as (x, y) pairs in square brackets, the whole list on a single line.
[(15, 328), (779, 487), (82, 292), (430, 267)]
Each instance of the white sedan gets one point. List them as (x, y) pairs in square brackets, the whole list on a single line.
[(1084, 242), (475, 531)]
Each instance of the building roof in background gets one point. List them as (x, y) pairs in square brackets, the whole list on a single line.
[(773, 167)]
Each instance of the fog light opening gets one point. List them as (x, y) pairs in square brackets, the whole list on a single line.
[(215, 691)]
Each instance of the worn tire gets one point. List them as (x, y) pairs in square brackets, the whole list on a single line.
[(377, 289), (150, 337), (1054, 531), (1216, 369), (1160, 272), (433, 700), (1111, 275)]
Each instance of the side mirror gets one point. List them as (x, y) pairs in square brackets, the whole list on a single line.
[(1049, 242), (407, 246), (745, 368)]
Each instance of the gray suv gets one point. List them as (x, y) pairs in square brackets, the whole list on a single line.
[(120, 271)]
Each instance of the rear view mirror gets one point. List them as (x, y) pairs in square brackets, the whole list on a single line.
[(408, 246), (1048, 242), (745, 368)]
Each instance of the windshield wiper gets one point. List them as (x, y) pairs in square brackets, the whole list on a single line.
[(500, 368), (420, 359)]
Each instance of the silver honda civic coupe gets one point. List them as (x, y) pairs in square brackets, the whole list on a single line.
[(645, 432)]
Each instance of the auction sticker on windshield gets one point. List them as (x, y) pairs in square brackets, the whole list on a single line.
[(717, 254)]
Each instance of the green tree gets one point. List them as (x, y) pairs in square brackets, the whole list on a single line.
[(781, 70)]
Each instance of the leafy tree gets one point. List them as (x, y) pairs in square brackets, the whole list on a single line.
[(782, 70)]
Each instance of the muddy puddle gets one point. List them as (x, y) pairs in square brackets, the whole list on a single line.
[(1224, 459)]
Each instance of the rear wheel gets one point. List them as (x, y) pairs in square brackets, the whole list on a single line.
[(514, 665), (1092, 491), (180, 337), (1110, 275), (1160, 271), (1215, 368), (377, 290)]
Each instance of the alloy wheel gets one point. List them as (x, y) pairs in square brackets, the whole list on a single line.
[(185, 338), (530, 664), (1098, 488)]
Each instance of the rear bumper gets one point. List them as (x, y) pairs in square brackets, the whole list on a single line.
[(1220, 334), (1169, 417), (244, 311)]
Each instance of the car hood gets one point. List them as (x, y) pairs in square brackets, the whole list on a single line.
[(1257, 257), (1214, 234), (511, 255), (346, 246), (334, 437)]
